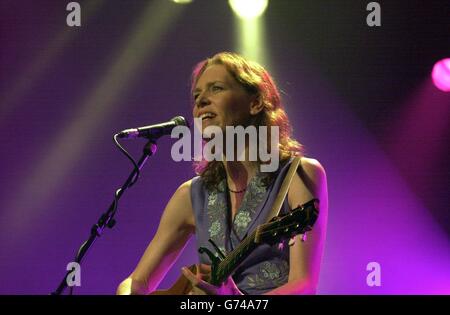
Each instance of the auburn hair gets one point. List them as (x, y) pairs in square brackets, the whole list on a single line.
[(256, 80)]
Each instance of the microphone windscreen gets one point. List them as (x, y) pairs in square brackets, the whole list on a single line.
[(180, 121)]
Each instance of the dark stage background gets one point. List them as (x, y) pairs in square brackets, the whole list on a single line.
[(360, 99)]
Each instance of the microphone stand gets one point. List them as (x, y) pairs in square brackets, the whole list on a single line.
[(107, 218)]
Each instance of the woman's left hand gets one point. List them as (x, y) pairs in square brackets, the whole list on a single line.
[(198, 281)]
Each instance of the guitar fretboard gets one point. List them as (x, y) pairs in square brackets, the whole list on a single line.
[(234, 258)]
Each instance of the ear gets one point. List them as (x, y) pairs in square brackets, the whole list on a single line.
[(256, 105)]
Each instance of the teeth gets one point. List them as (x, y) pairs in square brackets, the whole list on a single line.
[(207, 115)]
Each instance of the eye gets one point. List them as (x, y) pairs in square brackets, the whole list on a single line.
[(217, 88)]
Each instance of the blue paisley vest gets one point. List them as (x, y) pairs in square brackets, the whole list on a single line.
[(267, 267)]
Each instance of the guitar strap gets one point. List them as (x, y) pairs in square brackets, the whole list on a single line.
[(275, 211)]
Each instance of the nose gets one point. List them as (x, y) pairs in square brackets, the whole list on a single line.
[(202, 101)]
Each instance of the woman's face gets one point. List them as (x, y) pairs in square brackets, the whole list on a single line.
[(220, 100)]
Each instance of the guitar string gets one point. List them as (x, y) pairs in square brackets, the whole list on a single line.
[(222, 265)]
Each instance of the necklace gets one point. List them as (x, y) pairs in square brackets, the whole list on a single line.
[(237, 191)]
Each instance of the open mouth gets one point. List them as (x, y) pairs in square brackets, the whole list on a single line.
[(207, 116)]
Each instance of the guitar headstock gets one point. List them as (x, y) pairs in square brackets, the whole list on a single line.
[(297, 221)]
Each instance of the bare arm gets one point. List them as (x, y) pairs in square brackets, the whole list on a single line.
[(175, 228), (305, 257)]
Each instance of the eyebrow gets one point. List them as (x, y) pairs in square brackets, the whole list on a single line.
[(208, 85)]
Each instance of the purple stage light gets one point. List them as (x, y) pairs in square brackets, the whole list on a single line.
[(441, 75)]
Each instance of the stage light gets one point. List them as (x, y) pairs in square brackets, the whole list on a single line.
[(441, 75), (182, 1), (248, 9), (138, 48)]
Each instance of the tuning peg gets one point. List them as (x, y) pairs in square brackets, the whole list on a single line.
[(304, 237)]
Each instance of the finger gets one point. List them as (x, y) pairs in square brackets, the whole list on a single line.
[(204, 268), (199, 283), (190, 276), (204, 272)]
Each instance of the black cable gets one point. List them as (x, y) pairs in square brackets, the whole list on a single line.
[(136, 167)]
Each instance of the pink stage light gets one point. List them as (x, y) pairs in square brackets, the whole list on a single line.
[(441, 75)]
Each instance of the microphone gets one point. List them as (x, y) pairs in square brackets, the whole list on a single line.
[(154, 131)]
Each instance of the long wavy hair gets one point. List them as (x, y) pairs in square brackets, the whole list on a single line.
[(256, 81)]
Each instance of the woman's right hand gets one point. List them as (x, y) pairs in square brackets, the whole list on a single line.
[(200, 282)]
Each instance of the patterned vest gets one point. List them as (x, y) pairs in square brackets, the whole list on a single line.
[(267, 267)]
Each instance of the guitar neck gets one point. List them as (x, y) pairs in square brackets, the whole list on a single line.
[(298, 221), (229, 264)]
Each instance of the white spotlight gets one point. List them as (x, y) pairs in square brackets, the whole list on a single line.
[(248, 9), (182, 1)]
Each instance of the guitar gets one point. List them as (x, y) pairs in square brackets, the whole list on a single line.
[(298, 221)]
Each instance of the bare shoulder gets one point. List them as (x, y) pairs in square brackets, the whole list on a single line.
[(179, 209), (313, 168), (184, 190), (182, 195), (309, 182)]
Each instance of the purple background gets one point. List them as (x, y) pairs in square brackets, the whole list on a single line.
[(360, 99)]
